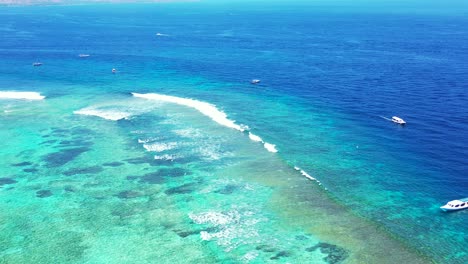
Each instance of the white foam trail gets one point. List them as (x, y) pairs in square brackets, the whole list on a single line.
[(255, 137), (161, 34), (386, 118), (106, 114), (21, 95), (305, 174), (205, 108)]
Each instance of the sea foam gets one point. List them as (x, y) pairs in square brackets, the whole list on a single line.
[(21, 95), (106, 114)]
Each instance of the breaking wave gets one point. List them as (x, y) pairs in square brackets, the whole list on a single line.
[(209, 110), (21, 95), (218, 116), (205, 108)]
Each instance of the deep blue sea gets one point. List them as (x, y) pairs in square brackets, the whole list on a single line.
[(177, 158)]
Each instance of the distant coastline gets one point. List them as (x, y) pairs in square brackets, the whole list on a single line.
[(73, 2)]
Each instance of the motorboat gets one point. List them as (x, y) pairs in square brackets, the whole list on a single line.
[(455, 205), (83, 55), (36, 64), (398, 120), (254, 81), (114, 70)]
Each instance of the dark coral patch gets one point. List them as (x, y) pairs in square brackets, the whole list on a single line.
[(141, 160), (82, 131), (86, 170), (113, 164), (228, 189), (131, 178), (184, 234), (49, 142), (335, 254), (31, 170), (281, 254), (175, 172), (301, 237), (129, 194), (22, 164), (64, 156), (185, 188), (70, 188), (152, 178), (4, 181), (43, 193), (265, 248)]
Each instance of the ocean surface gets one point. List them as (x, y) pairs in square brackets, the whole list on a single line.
[(178, 158)]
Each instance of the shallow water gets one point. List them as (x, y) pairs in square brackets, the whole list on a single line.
[(191, 175)]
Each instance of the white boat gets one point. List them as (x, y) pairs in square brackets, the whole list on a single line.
[(35, 64), (398, 120), (114, 70), (83, 55), (455, 205), (255, 81)]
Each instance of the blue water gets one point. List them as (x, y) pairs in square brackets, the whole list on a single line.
[(329, 76)]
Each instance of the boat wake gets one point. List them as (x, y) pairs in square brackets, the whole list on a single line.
[(386, 118)]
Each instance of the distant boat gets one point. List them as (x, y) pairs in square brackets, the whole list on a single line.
[(254, 81), (398, 120), (83, 55), (36, 64), (114, 70), (455, 205)]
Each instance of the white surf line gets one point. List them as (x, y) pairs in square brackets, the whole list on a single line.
[(21, 95), (209, 110), (305, 174)]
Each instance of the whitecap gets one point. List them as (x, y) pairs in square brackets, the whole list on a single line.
[(106, 114), (305, 174), (215, 218), (270, 147), (21, 95), (255, 137), (159, 147), (166, 157)]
